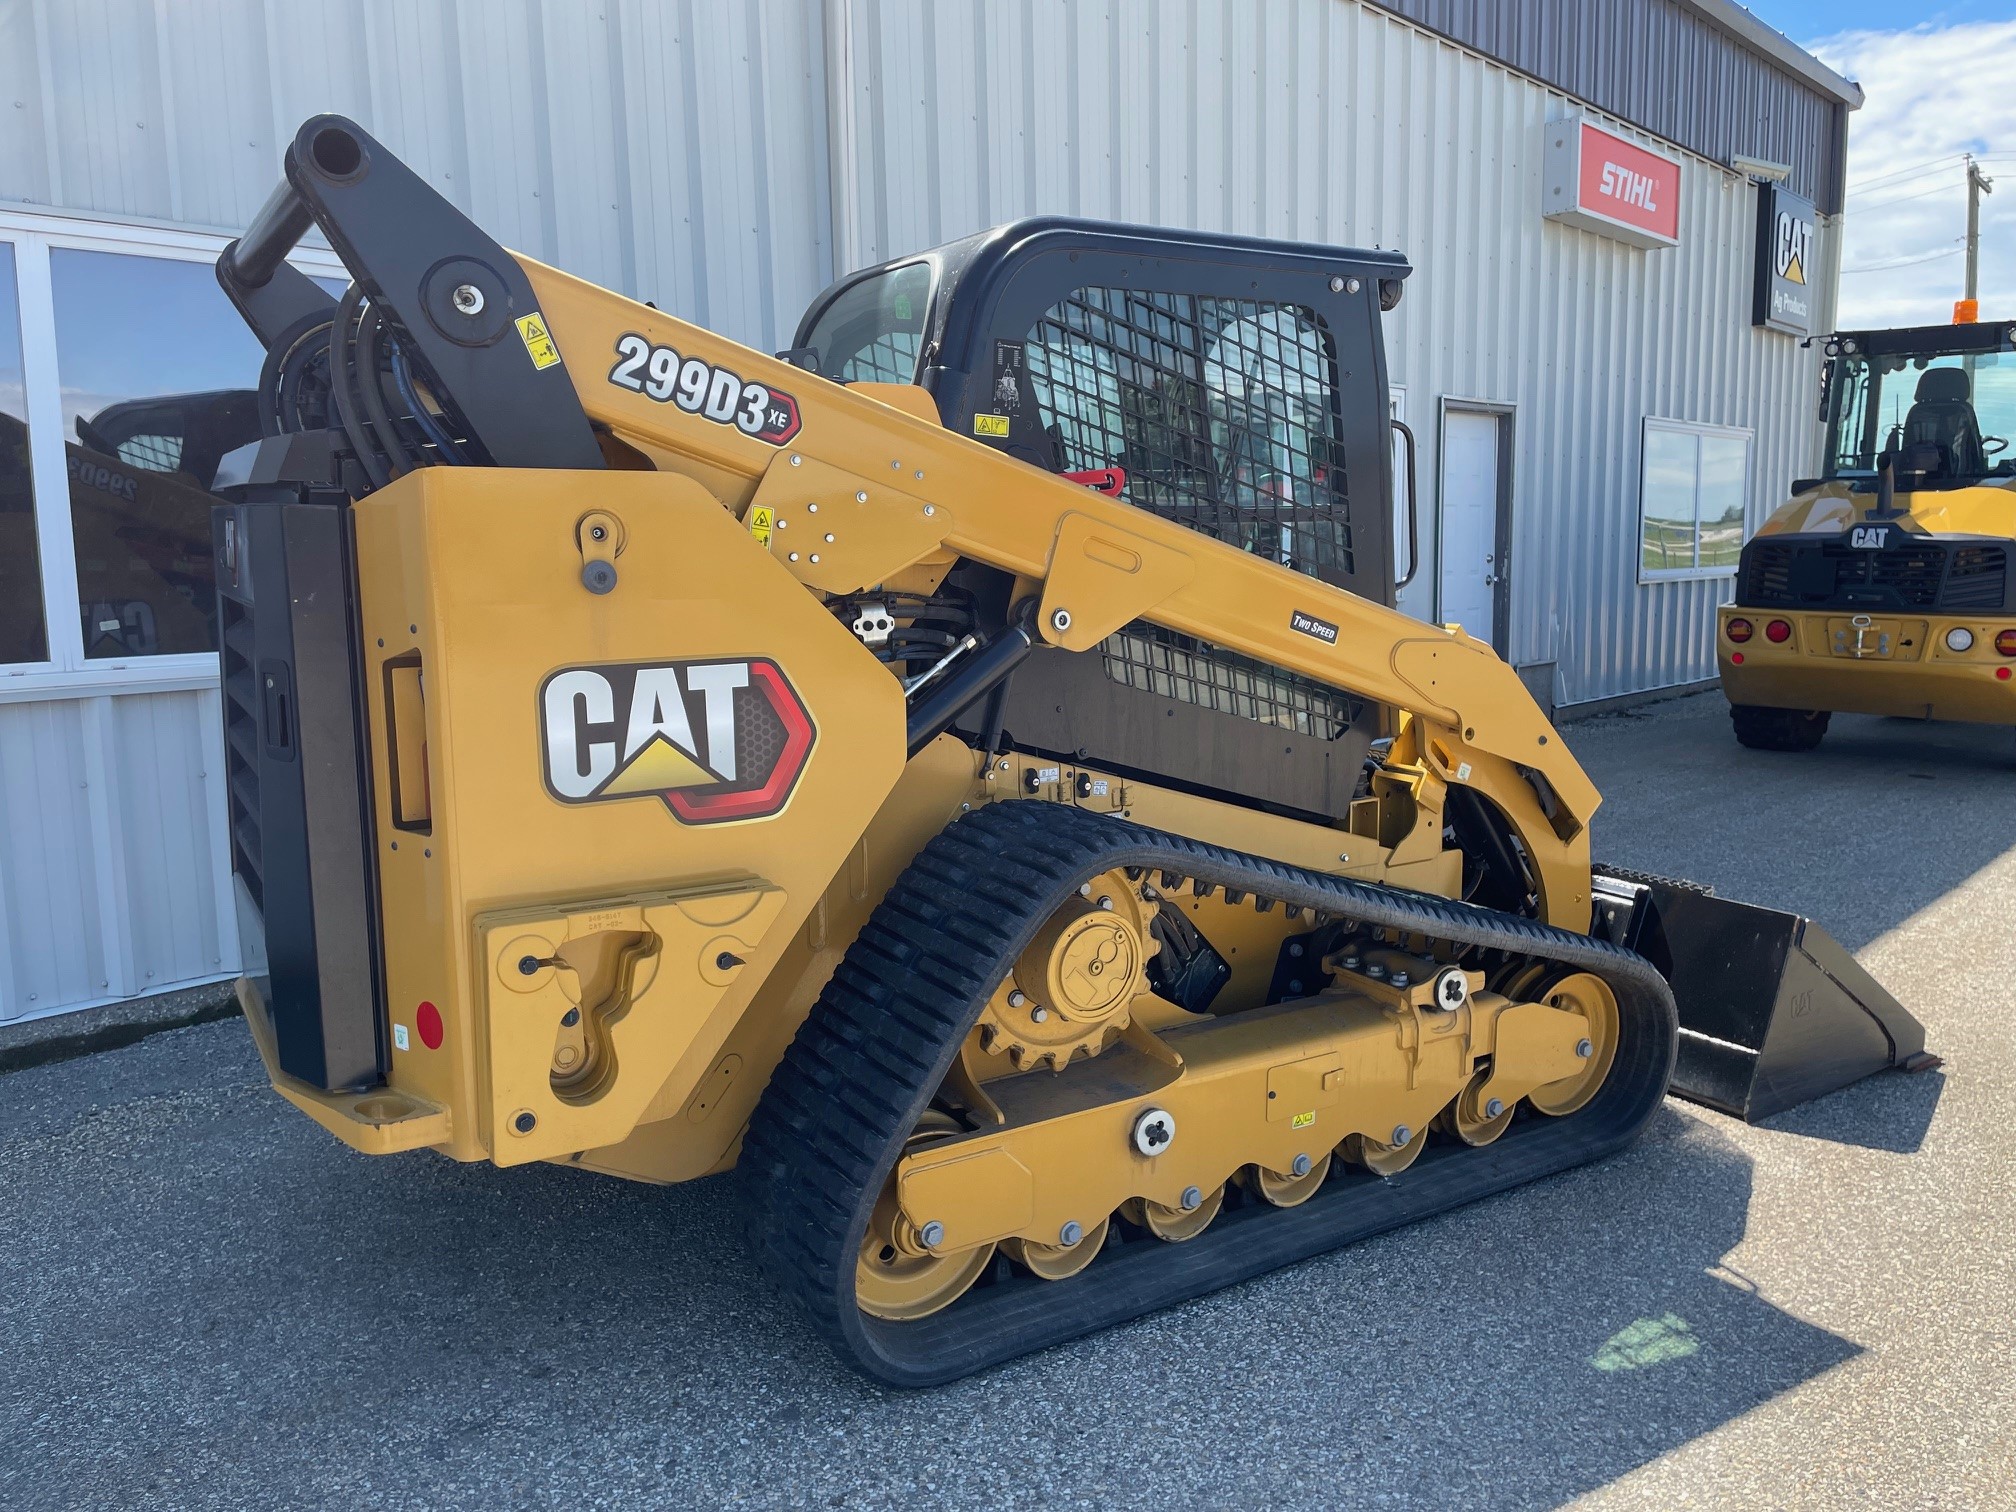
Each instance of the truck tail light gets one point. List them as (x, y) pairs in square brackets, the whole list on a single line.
[(1778, 632), (1738, 630)]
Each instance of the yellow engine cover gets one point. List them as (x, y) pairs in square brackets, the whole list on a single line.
[(634, 728)]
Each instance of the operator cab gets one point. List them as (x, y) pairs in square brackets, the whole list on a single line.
[(1938, 401), (1233, 385)]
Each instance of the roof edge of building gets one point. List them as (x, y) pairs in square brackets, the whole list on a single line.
[(1760, 37)]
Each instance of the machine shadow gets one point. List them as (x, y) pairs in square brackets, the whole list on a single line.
[(1886, 818), (1602, 1286), (1892, 1111)]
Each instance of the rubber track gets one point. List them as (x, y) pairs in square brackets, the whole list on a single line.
[(875, 1048)]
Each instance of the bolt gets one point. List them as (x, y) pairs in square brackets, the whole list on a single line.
[(1401, 979), (929, 509), (860, 496), (1300, 1166), (1039, 1015), (919, 476), (468, 299), (1402, 1135), (1106, 903), (727, 961), (598, 532), (796, 460), (1016, 998), (1192, 1199), (1336, 286), (1452, 988), (1375, 971), (829, 538), (1350, 963), (1584, 1049), (1060, 619), (570, 1018), (1153, 1131), (1295, 988), (794, 556), (1070, 1234), (811, 509), (525, 1122), (815, 556), (933, 1234), (1295, 950), (528, 965), (1494, 1107)]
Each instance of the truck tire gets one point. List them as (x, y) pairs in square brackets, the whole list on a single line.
[(1764, 729)]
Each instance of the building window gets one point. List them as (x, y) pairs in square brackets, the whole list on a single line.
[(1692, 492), (23, 637), (158, 376)]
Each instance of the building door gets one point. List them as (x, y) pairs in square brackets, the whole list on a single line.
[(1471, 566)]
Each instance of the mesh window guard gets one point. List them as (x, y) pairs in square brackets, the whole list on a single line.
[(1187, 670), (1219, 410)]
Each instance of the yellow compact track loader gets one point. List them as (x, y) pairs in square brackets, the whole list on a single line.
[(1884, 585), (961, 773)]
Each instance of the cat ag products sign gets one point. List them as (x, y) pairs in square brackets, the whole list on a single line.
[(1782, 291), (1604, 182)]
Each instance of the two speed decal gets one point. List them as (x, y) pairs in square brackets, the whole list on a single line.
[(701, 388)]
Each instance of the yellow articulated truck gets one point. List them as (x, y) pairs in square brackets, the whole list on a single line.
[(1884, 586), (963, 774)]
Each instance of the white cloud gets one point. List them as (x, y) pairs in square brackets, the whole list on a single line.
[(1934, 92)]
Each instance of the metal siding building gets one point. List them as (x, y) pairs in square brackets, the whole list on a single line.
[(727, 161)]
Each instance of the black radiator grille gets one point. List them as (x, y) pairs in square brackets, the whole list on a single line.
[(1219, 410), (241, 745), (1188, 670), (1929, 575)]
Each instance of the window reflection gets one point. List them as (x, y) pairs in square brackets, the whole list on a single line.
[(158, 373), (23, 636)]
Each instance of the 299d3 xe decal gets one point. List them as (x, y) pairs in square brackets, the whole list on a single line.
[(717, 740), (700, 388)]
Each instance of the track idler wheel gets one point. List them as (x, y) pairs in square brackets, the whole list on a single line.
[(1054, 1262), (1589, 995), (1176, 1224), (898, 1276), (1383, 1158), (1473, 1120), (1286, 1189)]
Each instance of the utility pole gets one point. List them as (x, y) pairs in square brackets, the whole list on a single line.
[(1978, 184)]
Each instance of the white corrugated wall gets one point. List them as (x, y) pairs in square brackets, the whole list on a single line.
[(725, 159)]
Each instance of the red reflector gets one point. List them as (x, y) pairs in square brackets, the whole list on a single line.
[(2005, 642), (1738, 630), (2003, 673), (1778, 632), (1736, 657), (428, 1021)]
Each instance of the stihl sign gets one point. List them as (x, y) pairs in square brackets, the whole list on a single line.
[(1602, 182)]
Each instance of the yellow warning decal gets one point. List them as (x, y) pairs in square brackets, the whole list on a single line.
[(761, 519), (538, 340), (1302, 1120), (990, 425)]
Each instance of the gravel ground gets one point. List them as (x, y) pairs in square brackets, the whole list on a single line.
[(205, 1301)]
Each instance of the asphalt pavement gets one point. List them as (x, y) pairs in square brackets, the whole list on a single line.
[(206, 1301)]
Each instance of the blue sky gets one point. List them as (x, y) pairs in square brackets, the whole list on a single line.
[(1805, 20)]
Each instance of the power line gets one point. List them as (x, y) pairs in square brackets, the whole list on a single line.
[(1883, 179), (1903, 198), (1907, 262)]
